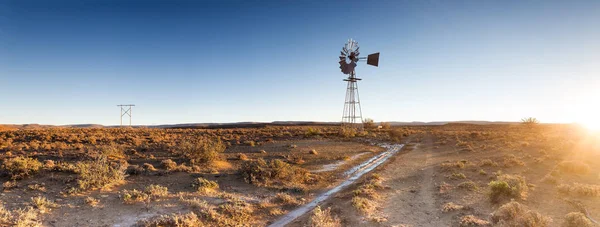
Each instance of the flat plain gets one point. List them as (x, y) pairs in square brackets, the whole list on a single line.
[(450, 175)]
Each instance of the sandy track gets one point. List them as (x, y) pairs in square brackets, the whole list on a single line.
[(413, 201)]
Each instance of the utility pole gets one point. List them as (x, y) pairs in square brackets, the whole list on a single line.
[(126, 110)]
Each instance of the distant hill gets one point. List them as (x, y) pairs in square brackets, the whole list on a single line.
[(248, 124)]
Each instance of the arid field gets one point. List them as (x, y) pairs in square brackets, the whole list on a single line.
[(450, 175)]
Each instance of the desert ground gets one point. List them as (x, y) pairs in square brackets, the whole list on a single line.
[(449, 175)]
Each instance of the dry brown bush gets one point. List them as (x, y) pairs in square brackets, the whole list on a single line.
[(514, 214), (472, 221), (202, 151), (574, 167), (324, 218), (173, 220), (100, 173), (274, 173), (449, 207), (21, 167), (577, 219), (580, 189)]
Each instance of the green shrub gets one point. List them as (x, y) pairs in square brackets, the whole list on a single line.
[(21, 167), (508, 186)]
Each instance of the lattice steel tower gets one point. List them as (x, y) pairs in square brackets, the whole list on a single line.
[(126, 110), (349, 56)]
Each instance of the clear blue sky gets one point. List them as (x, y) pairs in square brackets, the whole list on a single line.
[(71, 62)]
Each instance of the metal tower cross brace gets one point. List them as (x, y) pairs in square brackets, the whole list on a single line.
[(352, 116), (126, 110)]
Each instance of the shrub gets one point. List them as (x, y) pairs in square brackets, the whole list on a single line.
[(363, 204), (204, 185), (472, 221), (312, 132), (530, 122), (112, 152), (468, 185), (515, 214), (347, 132), (91, 201), (369, 124), (19, 218), (580, 189), (21, 167), (156, 190), (324, 218), (42, 204), (274, 172), (512, 160), (286, 199), (448, 207), (243, 157), (131, 196), (452, 165), (456, 176), (487, 162), (202, 151), (169, 164), (173, 220), (508, 186), (99, 173), (577, 219), (574, 167)]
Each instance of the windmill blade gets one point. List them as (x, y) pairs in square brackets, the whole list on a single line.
[(373, 59)]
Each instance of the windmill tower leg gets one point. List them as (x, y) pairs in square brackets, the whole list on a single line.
[(352, 116)]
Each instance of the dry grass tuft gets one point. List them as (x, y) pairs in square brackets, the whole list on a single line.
[(577, 219), (324, 218), (132, 196), (516, 214)]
